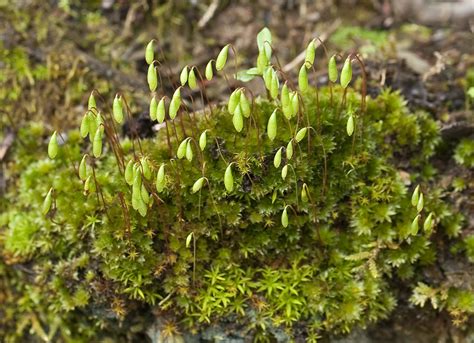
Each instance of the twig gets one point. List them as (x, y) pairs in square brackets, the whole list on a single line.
[(211, 10), (6, 144)]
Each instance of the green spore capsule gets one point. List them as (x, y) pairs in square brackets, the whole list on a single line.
[(428, 224), (146, 168), (284, 171), (136, 199), (284, 218), (285, 95), (136, 172), (209, 72), (149, 53), (53, 146), (229, 179), (161, 111), (301, 134), (188, 239), (420, 203), (144, 194), (117, 109), (310, 54), (182, 149), (189, 151), (83, 168), (415, 196), (303, 79), (222, 58), (277, 158), (262, 61), (304, 193), (203, 140), (88, 184), (142, 208), (137, 183), (192, 81), (153, 108), (234, 100), (274, 86), (267, 77), (97, 143), (91, 103), (160, 179), (295, 103), (198, 184), (48, 201), (245, 105), (332, 69), (350, 125), (129, 173), (238, 119), (92, 120), (99, 119), (183, 77), (414, 225), (288, 107), (274, 196), (289, 150), (84, 130), (175, 103), (346, 73), (272, 126), (287, 111), (152, 78), (264, 42)]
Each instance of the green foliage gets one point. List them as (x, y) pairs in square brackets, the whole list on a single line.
[(469, 243), (369, 41), (464, 153), (459, 302), (117, 235)]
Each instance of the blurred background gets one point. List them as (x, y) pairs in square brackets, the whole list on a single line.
[(54, 52)]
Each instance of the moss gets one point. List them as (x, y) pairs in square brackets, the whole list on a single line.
[(201, 257), (464, 153), (469, 244), (370, 42)]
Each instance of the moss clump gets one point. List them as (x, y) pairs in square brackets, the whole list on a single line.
[(319, 245), (464, 153)]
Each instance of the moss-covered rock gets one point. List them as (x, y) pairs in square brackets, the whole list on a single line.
[(199, 233)]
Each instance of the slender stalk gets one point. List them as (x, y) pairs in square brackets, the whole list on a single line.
[(112, 135), (234, 50), (168, 139), (99, 191), (202, 90), (296, 182), (194, 254), (192, 118), (220, 151), (126, 214), (133, 132)]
